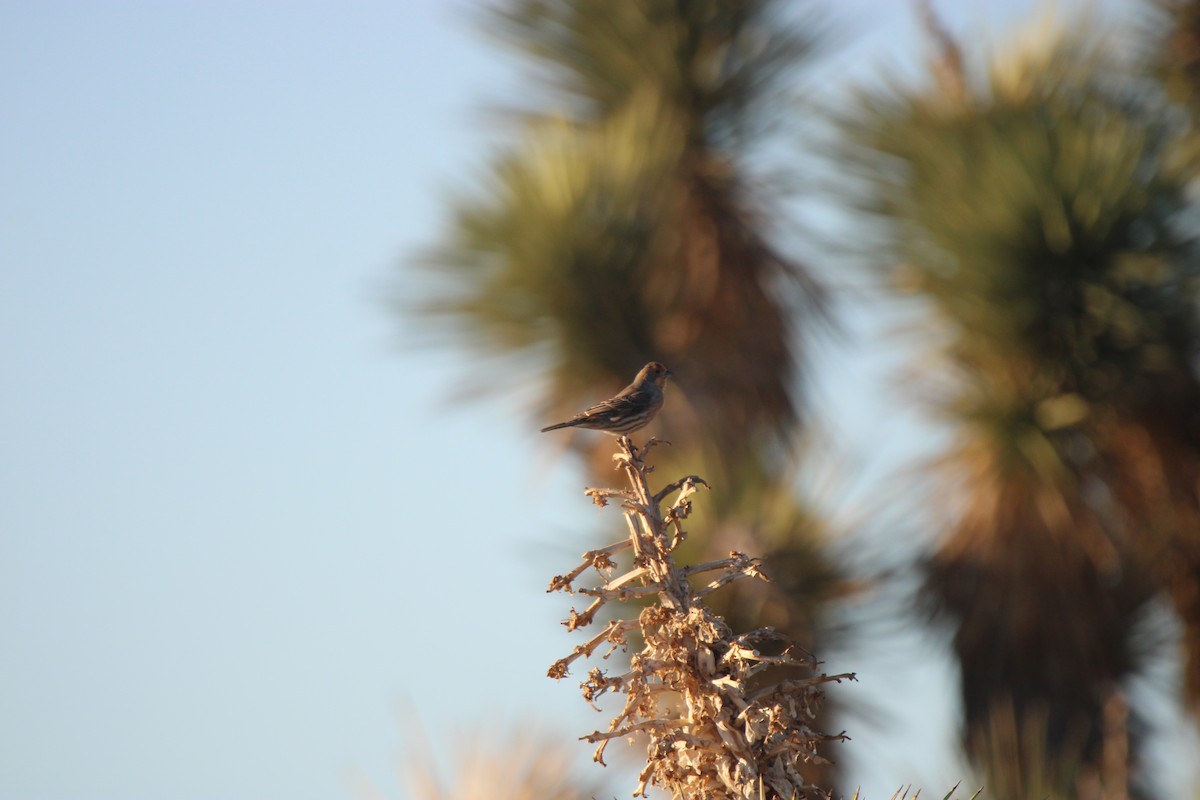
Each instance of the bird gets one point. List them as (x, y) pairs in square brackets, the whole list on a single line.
[(629, 410)]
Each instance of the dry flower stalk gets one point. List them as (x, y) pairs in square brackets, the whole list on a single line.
[(724, 719)]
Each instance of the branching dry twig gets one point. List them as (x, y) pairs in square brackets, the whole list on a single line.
[(710, 736)]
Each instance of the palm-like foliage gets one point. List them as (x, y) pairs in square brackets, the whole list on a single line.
[(628, 228), (1041, 217), (634, 223)]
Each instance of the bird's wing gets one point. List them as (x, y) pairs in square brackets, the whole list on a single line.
[(625, 400)]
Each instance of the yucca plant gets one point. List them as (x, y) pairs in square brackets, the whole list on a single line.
[(724, 715), (1038, 214), (488, 762), (638, 215)]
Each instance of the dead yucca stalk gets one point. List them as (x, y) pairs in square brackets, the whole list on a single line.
[(724, 719)]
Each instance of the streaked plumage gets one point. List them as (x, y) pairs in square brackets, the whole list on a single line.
[(632, 408)]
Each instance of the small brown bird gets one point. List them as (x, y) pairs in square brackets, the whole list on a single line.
[(632, 408)]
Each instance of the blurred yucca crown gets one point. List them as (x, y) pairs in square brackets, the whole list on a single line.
[(1043, 212)]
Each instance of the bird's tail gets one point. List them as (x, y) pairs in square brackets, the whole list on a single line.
[(567, 424)]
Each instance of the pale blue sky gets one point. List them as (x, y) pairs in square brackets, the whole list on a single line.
[(239, 523)]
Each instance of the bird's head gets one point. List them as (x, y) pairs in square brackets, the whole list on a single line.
[(654, 371)]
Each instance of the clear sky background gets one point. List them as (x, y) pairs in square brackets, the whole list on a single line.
[(244, 539)]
